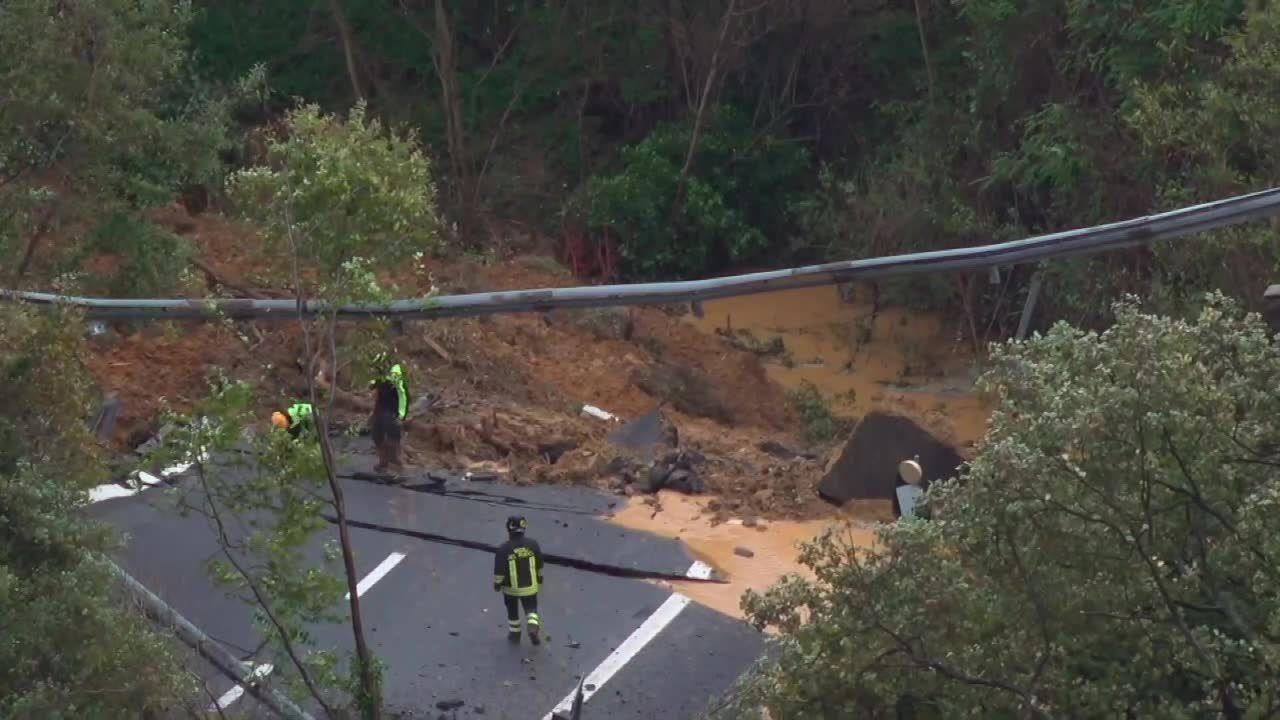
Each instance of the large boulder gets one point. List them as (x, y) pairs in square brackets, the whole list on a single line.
[(866, 467)]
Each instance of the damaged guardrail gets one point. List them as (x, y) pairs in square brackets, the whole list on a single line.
[(1086, 241)]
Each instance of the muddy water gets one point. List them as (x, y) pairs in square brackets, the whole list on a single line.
[(895, 361), (775, 546), (906, 362)]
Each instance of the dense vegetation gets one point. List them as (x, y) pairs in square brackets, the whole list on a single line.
[(1111, 553), (692, 134), (1112, 550), (72, 646), (685, 137)]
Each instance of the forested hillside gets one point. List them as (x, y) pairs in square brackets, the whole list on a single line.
[(700, 136), (682, 138)]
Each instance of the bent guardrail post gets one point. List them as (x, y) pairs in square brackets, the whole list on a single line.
[(205, 646), (1071, 243)]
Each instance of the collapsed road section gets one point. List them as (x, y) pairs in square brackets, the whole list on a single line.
[(433, 618)]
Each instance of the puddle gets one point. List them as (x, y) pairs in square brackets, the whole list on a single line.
[(775, 548), (910, 362)]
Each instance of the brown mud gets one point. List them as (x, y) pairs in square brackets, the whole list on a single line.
[(508, 385), (774, 545)]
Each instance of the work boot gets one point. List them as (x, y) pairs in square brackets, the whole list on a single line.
[(535, 635), (513, 637)]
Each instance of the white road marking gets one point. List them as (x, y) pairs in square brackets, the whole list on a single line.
[(109, 492), (632, 646), (700, 571), (141, 480), (377, 574), (236, 692)]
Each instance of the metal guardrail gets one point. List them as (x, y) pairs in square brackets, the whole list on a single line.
[(1086, 241), (206, 647)]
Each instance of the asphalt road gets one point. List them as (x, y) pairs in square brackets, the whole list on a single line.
[(432, 616)]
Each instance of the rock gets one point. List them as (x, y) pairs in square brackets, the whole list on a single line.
[(553, 451), (449, 704), (685, 481), (688, 389), (603, 323), (647, 435), (743, 552), (478, 709), (750, 521), (866, 467), (656, 479), (783, 452)]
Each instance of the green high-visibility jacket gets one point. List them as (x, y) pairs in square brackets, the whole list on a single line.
[(298, 413), (396, 378)]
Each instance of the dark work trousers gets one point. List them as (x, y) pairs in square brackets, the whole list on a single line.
[(384, 426), (530, 603)]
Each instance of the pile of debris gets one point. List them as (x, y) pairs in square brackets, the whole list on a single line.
[(654, 459)]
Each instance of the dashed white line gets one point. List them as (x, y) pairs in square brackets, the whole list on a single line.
[(377, 574), (236, 692), (632, 646)]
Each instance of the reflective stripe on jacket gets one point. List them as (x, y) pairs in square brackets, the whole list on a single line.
[(517, 567)]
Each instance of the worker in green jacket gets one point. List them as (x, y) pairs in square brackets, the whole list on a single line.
[(390, 408), (517, 574), (294, 419)]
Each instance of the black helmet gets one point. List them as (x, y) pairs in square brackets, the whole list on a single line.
[(516, 524)]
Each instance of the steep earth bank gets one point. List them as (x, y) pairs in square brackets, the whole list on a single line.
[(507, 391)]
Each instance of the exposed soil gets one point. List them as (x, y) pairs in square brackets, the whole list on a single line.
[(506, 386)]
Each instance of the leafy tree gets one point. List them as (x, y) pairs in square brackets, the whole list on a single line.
[(735, 198), (1111, 552), (99, 122), (339, 201), (72, 647)]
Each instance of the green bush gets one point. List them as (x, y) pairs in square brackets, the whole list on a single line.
[(820, 424), (151, 259), (734, 204)]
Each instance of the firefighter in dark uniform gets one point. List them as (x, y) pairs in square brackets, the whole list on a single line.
[(517, 574), (294, 420), (390, 407)]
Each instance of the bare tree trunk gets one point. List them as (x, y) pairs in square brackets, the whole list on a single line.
[(33, 243), (443, 57), (370, 685), (225, 545), (924, 48), (348, 51), (700, 115)]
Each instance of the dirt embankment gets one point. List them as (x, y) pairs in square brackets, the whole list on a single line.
[(509, 388)]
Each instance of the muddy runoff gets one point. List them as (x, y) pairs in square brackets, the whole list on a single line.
[(860, 360), (750, 554)]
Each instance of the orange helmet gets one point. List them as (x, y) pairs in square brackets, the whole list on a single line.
[(280, 420)]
